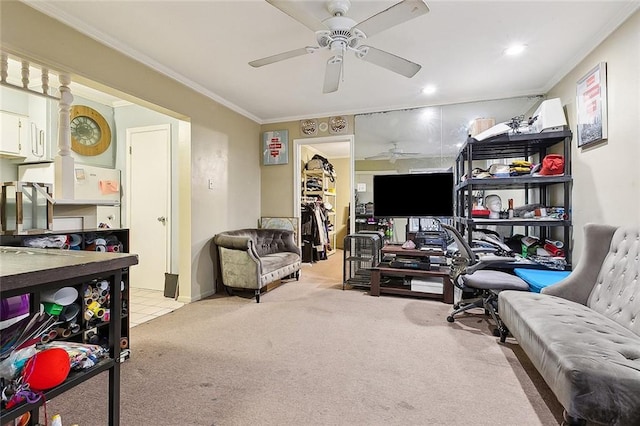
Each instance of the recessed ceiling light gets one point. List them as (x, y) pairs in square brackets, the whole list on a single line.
[(429, 90), (515, 50)]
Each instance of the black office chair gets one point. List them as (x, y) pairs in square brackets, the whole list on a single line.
[(479, 286)]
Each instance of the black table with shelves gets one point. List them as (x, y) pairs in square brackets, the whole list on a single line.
[(31, 271), (122, 236)]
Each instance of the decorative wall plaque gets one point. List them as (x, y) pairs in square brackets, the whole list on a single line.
[(309, 127), (337, 124), (275, 147)]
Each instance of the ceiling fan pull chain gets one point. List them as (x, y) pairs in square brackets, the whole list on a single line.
[(344, 50)]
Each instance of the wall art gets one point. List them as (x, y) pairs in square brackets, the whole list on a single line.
[(591, 105), (275, 147)]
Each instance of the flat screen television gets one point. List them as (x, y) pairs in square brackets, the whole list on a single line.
[(413, 195)]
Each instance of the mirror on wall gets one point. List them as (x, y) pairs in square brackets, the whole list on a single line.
[(417, 140)]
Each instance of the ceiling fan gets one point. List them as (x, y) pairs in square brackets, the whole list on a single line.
[(340, 33), (393, 154)]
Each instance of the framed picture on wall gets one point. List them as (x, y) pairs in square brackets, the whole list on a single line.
[(591, 105), (275, 147)]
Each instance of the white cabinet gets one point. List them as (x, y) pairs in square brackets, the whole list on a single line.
[(37, 147), (13, 133), (108, 215), (25, 126)]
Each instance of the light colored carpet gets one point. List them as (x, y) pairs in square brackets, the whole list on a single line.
[(310, 353)]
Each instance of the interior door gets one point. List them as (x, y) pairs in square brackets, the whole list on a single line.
[(148, 204)]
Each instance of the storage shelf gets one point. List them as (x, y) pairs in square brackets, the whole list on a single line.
[(514, 222), (74, 379), (515, 182), (319, 193), (359, 258), (512, 145), (323, 191), (53, 268), (362, 254), (539, 187)]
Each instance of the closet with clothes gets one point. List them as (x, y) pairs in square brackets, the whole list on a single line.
[(318, 214), (314, 231)]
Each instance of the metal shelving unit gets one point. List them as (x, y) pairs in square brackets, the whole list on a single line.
[(362, 252), (532, 147)]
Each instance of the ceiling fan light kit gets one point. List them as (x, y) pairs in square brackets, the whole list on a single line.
[(339, 33)]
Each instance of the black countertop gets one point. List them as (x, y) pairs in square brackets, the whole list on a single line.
[(24, 267)]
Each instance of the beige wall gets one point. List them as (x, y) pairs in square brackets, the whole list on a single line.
[(606, 176), (222, 143), (277, 181), (342, 167)]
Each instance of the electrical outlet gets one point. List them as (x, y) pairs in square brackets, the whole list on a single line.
[(210, 183)]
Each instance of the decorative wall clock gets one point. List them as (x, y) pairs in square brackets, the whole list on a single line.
[(90, 133)]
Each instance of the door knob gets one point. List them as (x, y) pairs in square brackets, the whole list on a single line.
[(162, 219)]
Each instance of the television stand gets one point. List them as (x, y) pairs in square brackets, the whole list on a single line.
[(440, 273)]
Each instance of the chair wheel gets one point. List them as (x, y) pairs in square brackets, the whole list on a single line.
[(450, 318), (496, 332)]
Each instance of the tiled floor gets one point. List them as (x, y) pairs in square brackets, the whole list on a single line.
[(145, 305)]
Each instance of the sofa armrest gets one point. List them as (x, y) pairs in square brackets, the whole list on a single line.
[(236, 242), (290, 243), (578, 285)]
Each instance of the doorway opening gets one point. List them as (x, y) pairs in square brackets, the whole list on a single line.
[(339, 150)]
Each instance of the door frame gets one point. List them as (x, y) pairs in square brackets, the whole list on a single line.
[(168, 229), (297, 172)]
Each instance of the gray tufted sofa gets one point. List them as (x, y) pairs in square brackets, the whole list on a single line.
[(253, 258), (583, 333)]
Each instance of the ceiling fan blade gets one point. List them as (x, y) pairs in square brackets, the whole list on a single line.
[(394, 15), (332, 74), (282, 56), (293, 9), (384, 156), (388, 60)]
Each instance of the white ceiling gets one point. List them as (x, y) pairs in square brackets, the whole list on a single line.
[(207, 45)]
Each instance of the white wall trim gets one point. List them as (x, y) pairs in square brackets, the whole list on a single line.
[(89, 31)]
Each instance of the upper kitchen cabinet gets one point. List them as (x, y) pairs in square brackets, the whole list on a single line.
[(40, 143), (24, 126), (14, 117), (13, 133)]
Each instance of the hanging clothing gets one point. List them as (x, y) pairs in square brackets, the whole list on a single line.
[(313, 227)]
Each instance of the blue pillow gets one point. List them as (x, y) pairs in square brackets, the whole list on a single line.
[(540, 278)]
